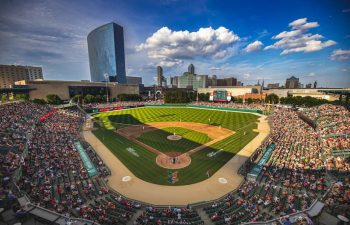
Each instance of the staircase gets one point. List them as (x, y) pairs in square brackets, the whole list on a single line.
[(205, 218), (135, 216)]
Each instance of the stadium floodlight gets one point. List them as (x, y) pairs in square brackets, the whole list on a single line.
[(106, 78)]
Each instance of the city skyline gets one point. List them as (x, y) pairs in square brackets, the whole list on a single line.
[(248, 40)]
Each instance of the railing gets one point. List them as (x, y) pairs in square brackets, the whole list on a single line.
[(290, 216), (18, 173)]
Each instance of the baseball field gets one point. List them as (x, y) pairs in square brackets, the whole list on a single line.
[(139, 138)]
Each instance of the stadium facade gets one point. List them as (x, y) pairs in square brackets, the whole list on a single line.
[(106, 54), (67, 89)]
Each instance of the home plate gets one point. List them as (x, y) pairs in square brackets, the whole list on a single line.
[(126, 178), (222, 180)]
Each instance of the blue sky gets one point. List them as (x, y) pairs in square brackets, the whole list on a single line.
[(251, 40)]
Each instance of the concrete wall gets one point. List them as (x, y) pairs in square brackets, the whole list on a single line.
[(303, 92), (43, 88), (235, 91)]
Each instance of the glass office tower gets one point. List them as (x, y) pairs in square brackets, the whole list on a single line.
[(106, 53)]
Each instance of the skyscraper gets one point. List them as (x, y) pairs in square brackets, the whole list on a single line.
[(160, 78), (106, 53), (191, 69), (292, 82)]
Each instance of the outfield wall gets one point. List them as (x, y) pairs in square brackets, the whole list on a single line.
[(113, 108), (207, 107)]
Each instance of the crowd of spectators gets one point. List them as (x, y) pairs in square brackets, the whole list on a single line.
[(171, 216), (333, 128), (121, 104), (338, 199), (17, 120), (292, 178), (252, 106), (52, 173)]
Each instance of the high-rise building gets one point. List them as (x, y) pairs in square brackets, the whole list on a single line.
[(161, 81), (191, 69), (315, 84), (228, 81), (133, 80), (292, 82), (308, 85), (193, 81), (9, 74), (274, 85), (106, 53)]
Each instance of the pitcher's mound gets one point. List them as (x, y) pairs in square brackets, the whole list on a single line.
[(174, 137), (173, 160)]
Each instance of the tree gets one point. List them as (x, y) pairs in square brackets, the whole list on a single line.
[(250, 100), (203, 97), (89, 98), (77, 98), (272, 98), (179, 96), (3, 98), (239, 100), (39, 101), (129, 97), (21, 97), (53, 99), (302, 101), (99, 98)]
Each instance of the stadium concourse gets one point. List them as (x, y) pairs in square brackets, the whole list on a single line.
[(302, 169)]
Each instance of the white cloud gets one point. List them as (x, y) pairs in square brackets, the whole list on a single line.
[(312, 74), (246, 75), (255, 46), (170, 62), (346, 10), (166, 44), (298, 40), (213, 68), (340, 54)]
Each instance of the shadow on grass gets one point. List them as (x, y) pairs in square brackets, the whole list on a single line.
[(125, 119), (204, 162)]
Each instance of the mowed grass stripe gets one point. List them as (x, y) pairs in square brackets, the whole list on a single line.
[(201, 163), (118, 144), (158, 139), (145, 167), (230, 120)]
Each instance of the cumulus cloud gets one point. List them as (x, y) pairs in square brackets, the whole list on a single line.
[(340, 54), (168, 45), (298, 39), (253, 47), (170, 62)]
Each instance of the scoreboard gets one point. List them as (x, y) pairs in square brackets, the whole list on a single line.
[(220, 96)]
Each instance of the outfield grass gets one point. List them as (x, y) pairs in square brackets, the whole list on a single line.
[(209, 159), (229, 120), (158, 139)]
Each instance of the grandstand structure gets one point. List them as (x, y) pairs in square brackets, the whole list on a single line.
[(50, 174)]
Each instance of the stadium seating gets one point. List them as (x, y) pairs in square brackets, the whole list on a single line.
[(306, 164)]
